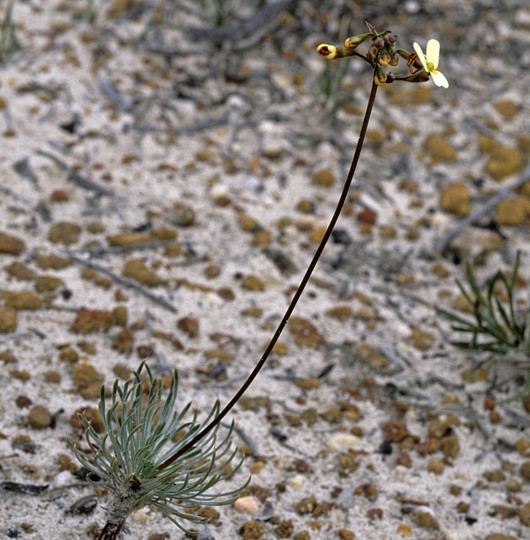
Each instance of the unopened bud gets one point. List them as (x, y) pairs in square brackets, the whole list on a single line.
[(394, 59), (378, 42), (384, 59), (380, 76), (328, 51), (372, 53), (390, 39), (419, 77), (355, 41)]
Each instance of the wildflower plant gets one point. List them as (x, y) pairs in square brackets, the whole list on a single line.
[(496, 324), (135, 458), (138, 459)]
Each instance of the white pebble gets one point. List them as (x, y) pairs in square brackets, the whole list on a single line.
[(141, 516), (247, 505), (343, 442)]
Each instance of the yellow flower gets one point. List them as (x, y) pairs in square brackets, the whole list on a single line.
[(430, 61)]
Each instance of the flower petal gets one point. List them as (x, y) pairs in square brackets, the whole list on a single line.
[(421, 56), (433, 52), (439, 79)]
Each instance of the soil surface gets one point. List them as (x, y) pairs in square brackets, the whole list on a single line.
[(169, 167)]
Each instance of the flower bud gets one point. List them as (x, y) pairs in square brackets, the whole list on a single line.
[(383, 59), (355, 41), (329, 51), (419, 77), (394, 59), (378, 42), (372, 53), (380, 76), (390, 39), (403, 54)]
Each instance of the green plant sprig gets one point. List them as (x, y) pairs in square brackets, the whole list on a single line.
[(494, 326), (139, 435)]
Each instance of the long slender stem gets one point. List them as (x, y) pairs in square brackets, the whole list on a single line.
[(297, 294)]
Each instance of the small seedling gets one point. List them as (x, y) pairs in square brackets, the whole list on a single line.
[(496, 324), (135, 459), (8, 36), (141, 460)]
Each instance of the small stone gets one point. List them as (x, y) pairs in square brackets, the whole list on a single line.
[(309, 383), (85, 375), (475, 375), (422, 339), (512, 211), (506, 108), (323, 178), (499, 536), (306, 505), (128, 238), (523, 446), (252, 530), (451, 446), (428, 446), (120, 316), (388, 232), (495, 475), (368, 216), (262, 238), (436, 466), (253, 283), (349, 462), (65, 233), (456, 199), (247, 505), (438, 427), (514, 485), (39, 417), (47, 283), (395, 431), (404, 529), (182, 215), (285, 529), (317, 233), (341, 313), (93, 417), (123, 341), (346, 534), (504, 161), (524, 515), (69, 354), (52, 262), (343, 442), (11, 244), (92, 320), (136, 269), (404, 460), (247, 223), (23, 401), (438, 149), (305, 206), (189, 325), (524, 469), (53, 377), (8, 320), (20, 271), (425, 520), (23, 300), (305, 333)]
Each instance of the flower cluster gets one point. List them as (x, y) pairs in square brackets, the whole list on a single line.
[(383, 54)]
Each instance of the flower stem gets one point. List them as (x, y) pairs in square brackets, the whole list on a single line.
[(296, 295), (110, 531)]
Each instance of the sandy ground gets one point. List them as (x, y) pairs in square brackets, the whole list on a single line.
[(222, 161)]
